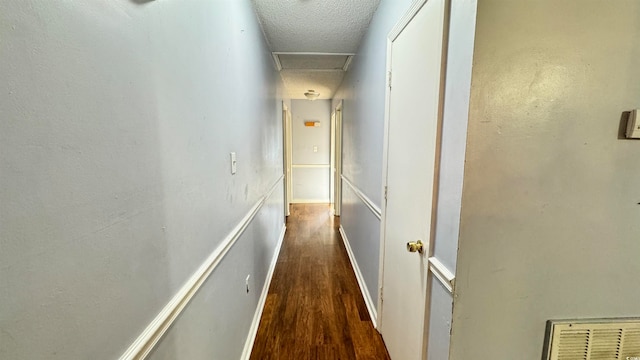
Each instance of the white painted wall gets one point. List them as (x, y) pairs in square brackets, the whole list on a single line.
[(363, 92), (311, 169), (116, 123), (550, 215)]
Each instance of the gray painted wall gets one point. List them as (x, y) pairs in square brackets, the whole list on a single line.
[(116, 123), (454, 129), (363, 92), (311, 183), (215, 324), (550, 215)]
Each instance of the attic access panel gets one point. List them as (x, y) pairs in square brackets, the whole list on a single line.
[(310, 61)]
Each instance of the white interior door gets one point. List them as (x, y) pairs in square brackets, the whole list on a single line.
[(412, 137)]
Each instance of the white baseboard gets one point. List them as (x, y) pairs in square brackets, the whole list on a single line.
[(253, 330), (363, 286)]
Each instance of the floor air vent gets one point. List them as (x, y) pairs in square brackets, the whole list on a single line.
[(601, 339)]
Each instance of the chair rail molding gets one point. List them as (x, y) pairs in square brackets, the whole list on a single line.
[(375, 209), (153, 333), (444, 275)]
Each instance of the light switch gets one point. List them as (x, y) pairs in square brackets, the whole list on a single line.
[(633, 125), (315, 148), (233, 163)]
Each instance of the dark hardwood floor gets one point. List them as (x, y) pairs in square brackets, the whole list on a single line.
[(314, 308)]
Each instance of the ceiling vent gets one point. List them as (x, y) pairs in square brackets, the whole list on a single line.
[(599, 339)]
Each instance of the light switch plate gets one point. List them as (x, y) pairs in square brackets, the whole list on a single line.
[(633, 125)]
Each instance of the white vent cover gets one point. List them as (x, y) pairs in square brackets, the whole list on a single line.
[(601, 339)]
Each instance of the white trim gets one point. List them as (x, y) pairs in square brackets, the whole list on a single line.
[(310, 166), (385, 171), (363, 286), (288, 154), (310, 201), (338, 160), (253, 331), (332, 160), (406, 18), (373, 207), (276, 59), (347, 63), (145, 343), (444, 275)]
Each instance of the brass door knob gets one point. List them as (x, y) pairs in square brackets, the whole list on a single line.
[(415, 246)]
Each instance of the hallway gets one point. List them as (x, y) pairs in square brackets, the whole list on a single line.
[(314, 309), (149, 150)]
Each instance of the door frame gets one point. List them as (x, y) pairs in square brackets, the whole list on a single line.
[(287, 157), (393, 35), (332, 165), (336, 159)]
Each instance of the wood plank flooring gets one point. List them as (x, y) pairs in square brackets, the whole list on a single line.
[(314, 308)]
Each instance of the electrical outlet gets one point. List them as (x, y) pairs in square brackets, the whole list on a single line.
[(246, 282)]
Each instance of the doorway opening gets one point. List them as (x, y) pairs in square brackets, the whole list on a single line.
[(311, 148)]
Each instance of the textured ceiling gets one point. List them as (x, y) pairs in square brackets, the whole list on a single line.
[(313, 26), (328, 26), (297, 82)]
